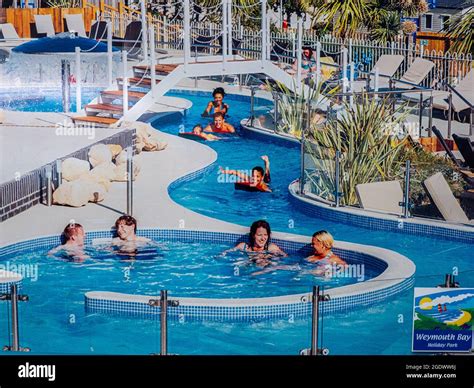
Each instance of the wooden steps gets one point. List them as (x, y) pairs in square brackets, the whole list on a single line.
[(137, 82), (111, 95), (96, 120), (104, 108)]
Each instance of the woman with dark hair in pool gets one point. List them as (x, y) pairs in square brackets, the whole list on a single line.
[(259, 248), (258, 181), (218, 104)]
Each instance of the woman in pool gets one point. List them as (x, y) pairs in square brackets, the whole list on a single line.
[(259, 179), (259, 249), (218, 104), (323, 256)]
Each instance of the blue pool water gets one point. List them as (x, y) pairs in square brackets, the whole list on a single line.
[(54, 321), (42, 100)]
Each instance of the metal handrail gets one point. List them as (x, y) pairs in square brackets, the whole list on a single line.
[(452, 89)]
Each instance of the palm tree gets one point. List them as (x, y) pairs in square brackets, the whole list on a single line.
[(346, 16), (461, 31)]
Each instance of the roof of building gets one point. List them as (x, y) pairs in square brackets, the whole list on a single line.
[(456, 4)]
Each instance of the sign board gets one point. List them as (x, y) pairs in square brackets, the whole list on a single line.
[(443, 320), (423, 42)]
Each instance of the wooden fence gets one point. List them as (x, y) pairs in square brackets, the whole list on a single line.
[(22, 17)]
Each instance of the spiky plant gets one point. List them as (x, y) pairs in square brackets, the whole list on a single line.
[(461, 31), (346, 16), (387, 28), (369, 150)]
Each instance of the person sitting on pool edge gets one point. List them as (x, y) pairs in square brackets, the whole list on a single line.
[(197, 130), (322, 243), (218, 104), (259, 248), (219, 125), (259, 179), (126, 228), (73, 246)]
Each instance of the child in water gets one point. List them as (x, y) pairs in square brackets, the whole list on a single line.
[(197, 130)]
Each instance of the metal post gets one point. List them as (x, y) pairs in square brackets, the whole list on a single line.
[(264, 32), (164, 322), (447, 281), (78, 80), (224, 31), (66, 87), (125, 83), (15, 328), (406, 193), (109, 55), (275, 111), (229, 27), (129, 181), (49, 185), (299, 54), (351, 83), (252, 105), (152, 60), (336, 178), (318, 63), (420, 118), (376, 81), (187, 34), (315, 321), (59, 171), (450, 113), (430, 117), (471, 123), (144, 29), (350, 50)]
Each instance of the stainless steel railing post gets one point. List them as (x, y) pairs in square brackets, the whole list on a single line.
[(337, 173), (314, 321), (406, 193), (66, 87), (15, 329), (164, 322), (129, 181)]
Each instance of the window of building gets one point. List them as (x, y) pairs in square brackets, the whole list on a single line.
[(444, 20), (428, 21)]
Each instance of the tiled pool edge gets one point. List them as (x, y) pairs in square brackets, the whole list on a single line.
[(389, 223), (397, 277)]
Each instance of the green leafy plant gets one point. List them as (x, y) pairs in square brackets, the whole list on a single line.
[(461, 31), (369, 149), (387, 28)]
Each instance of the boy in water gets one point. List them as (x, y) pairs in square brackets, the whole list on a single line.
[(219, 125), (73, 246), (127, 240), (218, 104), (259, 179)]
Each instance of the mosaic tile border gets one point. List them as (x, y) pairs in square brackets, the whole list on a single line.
[(345, 297)]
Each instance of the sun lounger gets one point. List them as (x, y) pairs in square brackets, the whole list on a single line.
[(44, 25), (442, 196), (466, 149), (98, 30), (387, 66), (75, 23), (381, 196), (9, 37)]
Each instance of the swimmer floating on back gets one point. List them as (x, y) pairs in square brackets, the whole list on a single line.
[(218, 104), (197, 130), (219, 125), (257, 182)]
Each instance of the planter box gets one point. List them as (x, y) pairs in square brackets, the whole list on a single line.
[(432, 144)]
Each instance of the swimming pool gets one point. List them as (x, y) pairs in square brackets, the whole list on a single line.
[(41, 99)]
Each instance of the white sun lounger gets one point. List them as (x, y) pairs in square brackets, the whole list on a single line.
[(415, 74), (387, 66), (440, 97), (44, 25), (443, 197), (381, 196), (8, 32), (75, 23)]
